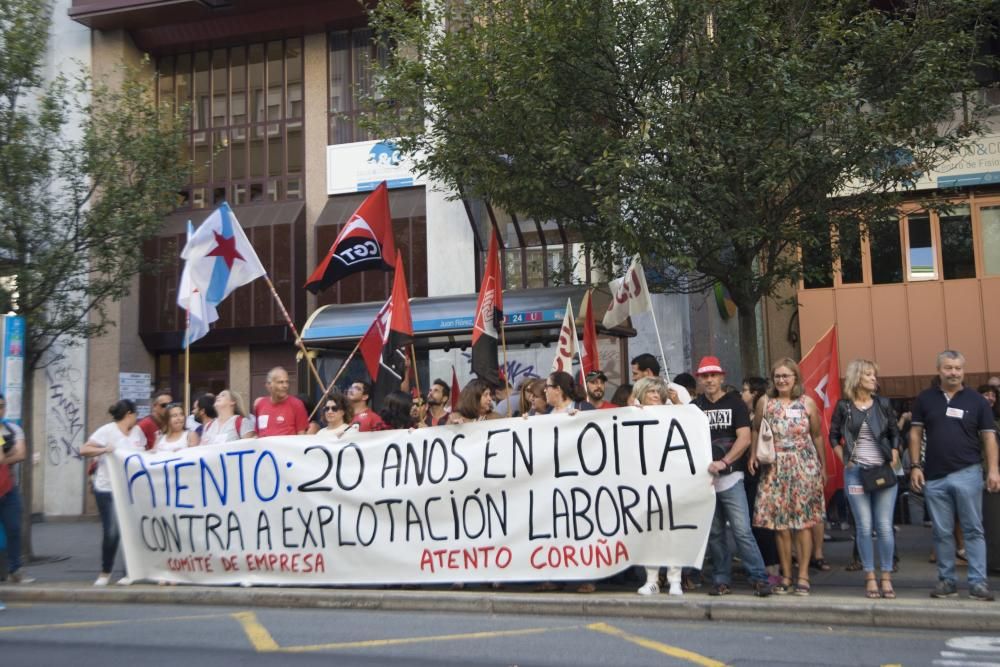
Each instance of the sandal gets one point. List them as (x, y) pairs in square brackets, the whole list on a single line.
[(784, 588), (819, 564), (872, 591), (887, 590), (802, 589)]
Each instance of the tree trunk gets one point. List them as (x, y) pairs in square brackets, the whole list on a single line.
[(749, 355), (28, 465)]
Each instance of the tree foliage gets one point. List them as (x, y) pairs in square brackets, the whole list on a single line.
[(87, 172), (714, 137)]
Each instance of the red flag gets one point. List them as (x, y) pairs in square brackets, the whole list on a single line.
[(591, 359), (383, 346), (821, 381), (489, 319), (456, 389), (365, 243)]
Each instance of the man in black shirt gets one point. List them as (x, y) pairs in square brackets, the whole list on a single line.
[(959, 427), (729, 422)]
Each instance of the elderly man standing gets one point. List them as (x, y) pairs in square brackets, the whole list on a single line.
[(959, 428), (278, 413)]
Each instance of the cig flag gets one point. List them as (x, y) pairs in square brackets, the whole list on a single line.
[(365, 243), (219, 257), (629, 295)]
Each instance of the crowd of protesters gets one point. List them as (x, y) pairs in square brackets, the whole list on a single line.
[(774, 510)]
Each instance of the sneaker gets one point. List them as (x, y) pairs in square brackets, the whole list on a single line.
[(124, 581), (761, 589), (649, 588), (944, 589), (103, 580), (676, 589), (19, 578), (981, 591), (720, 589)]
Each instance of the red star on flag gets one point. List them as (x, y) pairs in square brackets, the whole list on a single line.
[(226, 249)]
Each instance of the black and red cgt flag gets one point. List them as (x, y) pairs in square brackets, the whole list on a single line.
[(365, 243), (383, 346), (489, 319)]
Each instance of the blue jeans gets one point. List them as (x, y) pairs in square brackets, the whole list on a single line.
[(871, 509), (731, 505), (10, 517), (109, 530), (960, 492)]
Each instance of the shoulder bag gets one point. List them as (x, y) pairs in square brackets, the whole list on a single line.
[(765, 442)]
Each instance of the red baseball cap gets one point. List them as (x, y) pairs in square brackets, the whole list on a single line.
[(709, 365)]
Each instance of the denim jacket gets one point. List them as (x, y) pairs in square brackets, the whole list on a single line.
[(882, 422)]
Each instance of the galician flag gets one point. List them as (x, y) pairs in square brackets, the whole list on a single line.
[(219, 258), (629, 296), (199, 313)]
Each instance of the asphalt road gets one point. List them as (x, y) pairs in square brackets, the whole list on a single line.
[(80, 635)]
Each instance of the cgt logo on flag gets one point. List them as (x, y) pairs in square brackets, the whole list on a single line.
[(357, 244), (486, 315)]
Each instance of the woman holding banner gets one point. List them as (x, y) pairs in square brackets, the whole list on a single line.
[(121, 433), (475, 403), (175, 435), (337, 415), (564, 395), (656, 391), (790, 491)]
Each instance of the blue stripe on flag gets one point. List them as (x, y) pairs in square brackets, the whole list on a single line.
[(216, 291)]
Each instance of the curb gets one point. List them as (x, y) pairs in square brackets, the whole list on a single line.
[(905, 614)]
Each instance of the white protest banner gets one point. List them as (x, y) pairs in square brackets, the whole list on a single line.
[(550, 497)]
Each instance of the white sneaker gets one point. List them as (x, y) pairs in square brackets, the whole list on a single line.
[(649, 588), (124, 581), (676, 589), (103, 580)]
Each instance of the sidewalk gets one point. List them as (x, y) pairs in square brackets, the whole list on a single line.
[(73, 553)]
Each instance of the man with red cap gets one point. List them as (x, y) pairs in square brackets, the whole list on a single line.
[(729, 422)]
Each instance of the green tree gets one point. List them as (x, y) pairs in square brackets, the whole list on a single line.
[(714, 137), (87, 172)]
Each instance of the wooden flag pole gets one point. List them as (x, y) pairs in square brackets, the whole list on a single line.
[(333, 382), (506, 380), (413, 368), (298, 338)]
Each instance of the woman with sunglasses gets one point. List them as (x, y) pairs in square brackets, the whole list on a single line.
[(232, 422), (337, 415), (175, 435), (418, 412)]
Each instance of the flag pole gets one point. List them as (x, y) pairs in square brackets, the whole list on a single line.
[(666, 368), (413, 368), (333, 382), (506, 381), (298, 338), (579, 355), (187, 361)]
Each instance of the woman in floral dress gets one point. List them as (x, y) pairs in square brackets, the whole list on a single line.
[(790, 493)]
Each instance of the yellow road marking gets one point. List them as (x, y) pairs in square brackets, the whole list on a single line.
[(666, 649), (96, 624), (374, 643), (259, 637)]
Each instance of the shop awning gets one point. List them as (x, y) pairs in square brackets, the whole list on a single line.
[(532, 316)]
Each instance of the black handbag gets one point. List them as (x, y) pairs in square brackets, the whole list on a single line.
[(877, 478)]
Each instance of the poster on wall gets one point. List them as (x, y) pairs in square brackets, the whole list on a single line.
[(12, 370), (554, 497)]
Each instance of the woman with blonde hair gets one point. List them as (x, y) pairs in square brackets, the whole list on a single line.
[(232, 422), (790, 492), (865, 436), (656, 391)]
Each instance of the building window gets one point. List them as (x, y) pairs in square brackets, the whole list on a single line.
[(849, 240), (920, 247), (886, 251), (246, 121), (352, 53), (817, 263), (958, 257), (989, 219)]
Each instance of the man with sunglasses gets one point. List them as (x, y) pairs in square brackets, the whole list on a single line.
[(153, 423)]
